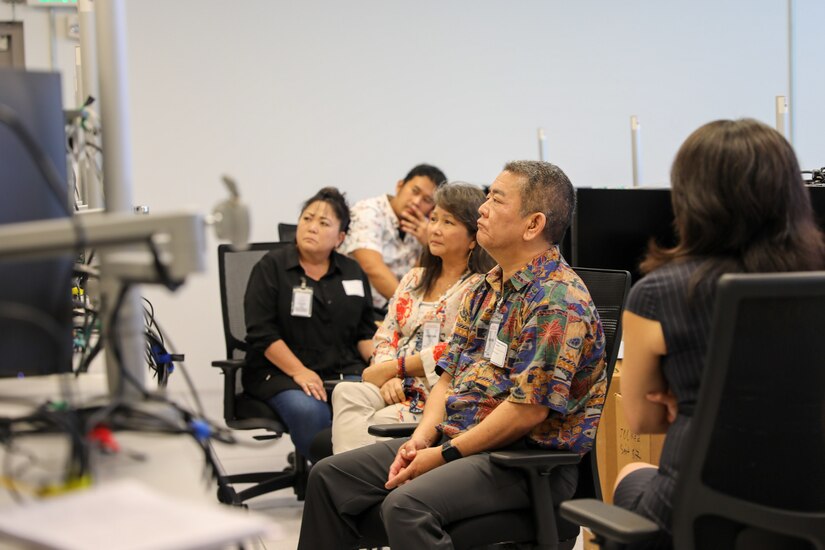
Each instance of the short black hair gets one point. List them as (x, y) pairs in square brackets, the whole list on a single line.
[(428, 171), (336, 200), (546, 189)]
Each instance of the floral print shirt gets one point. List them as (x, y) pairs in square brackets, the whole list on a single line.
[(550, 352), (402, 332), (374, 226)]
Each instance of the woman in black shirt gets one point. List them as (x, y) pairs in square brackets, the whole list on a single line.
[(308, 318)]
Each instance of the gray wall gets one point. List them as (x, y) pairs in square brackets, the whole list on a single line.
[(290, 96)]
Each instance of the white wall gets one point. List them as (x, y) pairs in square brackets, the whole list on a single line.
[(809, 82), (37, 42), (290, 96)]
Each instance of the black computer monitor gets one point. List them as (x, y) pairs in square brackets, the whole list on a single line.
[(612, 227), (35, 295), (817, 193)]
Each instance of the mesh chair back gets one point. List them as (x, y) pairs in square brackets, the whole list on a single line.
[(286, 232), (609, 289), (759, 426), (234, 268)]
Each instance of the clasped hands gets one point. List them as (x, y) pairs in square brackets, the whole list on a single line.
[(414, 458)]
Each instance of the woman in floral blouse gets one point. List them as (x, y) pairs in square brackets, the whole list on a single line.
[(418, 324)]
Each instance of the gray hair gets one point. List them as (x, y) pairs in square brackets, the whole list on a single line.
[(546, 189)]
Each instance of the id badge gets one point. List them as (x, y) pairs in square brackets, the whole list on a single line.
[(499, 354), (301, 302), (492, 335), (431, 333)]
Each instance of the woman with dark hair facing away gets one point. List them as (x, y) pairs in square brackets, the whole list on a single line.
[(308, 318), (419, 321), (740, 206)]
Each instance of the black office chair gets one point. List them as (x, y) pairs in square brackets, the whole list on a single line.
[(753, 477), (240, 410), (286, 232), (540, 525)]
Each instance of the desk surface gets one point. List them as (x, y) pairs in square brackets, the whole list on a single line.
[(170, 467)]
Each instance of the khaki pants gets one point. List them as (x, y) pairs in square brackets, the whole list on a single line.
[(358, 405)]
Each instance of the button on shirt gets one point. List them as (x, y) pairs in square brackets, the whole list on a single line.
[(554, 354), (327, 341), (374, 226)]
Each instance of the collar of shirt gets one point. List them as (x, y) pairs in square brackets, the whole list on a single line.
[(293, 260), (545, 262)]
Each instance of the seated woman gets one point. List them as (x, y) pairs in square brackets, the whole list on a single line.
[(308, 318), (740, 206), (419, 321)]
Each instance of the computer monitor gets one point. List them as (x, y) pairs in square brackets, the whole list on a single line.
[(35, 295), (612, 227), (817, 193)]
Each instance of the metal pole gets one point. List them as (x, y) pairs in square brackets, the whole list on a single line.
[(782, 115), (91, 186), (636, 149), (88, 51), (542, 145), (117, 182), (791, 70)]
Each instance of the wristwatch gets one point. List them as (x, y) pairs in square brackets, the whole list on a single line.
[(450, 453)]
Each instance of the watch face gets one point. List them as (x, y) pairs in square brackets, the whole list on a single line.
[(450, 453)]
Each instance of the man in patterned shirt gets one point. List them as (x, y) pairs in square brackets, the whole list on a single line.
[(525, 368), (387, 232)]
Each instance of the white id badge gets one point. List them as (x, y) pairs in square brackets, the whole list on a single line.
[(301, 302), (430, 334), (354, 287), (499, 354), (492, 335)]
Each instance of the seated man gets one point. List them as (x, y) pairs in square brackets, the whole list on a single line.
[(387, 232), (524, 368)]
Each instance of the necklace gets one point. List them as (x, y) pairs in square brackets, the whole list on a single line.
[(442, 285)]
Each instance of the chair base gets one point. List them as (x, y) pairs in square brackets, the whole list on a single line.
[(294, 476)]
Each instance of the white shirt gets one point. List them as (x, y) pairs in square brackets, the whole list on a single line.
[(374, 226)]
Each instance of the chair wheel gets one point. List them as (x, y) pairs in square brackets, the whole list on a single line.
[(290, 458), (226, 495)]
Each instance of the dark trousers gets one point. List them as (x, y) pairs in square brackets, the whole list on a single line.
[(344, 486)]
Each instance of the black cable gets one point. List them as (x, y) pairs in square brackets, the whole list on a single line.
[(9, 117), (161, 268)]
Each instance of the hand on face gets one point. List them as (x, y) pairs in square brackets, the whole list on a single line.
[(414, 222)]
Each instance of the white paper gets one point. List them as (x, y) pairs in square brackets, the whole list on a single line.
[(127, 515)]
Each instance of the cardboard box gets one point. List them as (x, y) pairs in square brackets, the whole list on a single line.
[(617, 445), (632, 447)]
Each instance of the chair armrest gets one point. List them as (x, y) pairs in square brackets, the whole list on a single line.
[(610, 522), (537, 464), (229, 364), (534, 458), (393, 430), (329, 385)]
